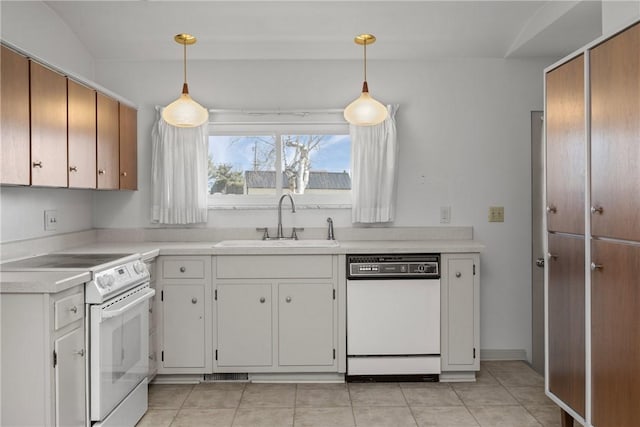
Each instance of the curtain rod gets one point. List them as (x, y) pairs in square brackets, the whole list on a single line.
[(277, 112)]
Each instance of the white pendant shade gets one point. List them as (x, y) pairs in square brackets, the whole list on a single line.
[(365, 111), (185, 112)]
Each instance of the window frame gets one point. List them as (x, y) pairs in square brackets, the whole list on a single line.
[(277, 129)]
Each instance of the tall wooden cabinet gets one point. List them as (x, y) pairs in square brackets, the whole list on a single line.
[(593, 223)]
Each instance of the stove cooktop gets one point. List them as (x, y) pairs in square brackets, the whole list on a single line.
[(62, 262)]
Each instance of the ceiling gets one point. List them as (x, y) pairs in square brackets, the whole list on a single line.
[(276, 30)]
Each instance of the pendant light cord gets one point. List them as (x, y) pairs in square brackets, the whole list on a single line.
[(365, 60), (185, 61)]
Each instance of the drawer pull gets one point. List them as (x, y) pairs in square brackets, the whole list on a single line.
[(597, 209), (458, 274), (194, 300), (101, 171), (552, 209), (74, 309), (80, 352), (73, 169), (262, 300), (183, 269), (288, 299), (37, 164), (595, 266), (123, 174)]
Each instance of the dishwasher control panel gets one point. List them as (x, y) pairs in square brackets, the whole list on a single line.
[(406, 266)]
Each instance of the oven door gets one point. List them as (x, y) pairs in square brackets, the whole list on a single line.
[(119, 351)]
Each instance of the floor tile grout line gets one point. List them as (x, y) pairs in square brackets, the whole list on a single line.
[(466, 407), (415, 420)]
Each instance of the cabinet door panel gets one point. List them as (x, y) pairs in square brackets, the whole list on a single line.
[(461, 313), (82, 136), (108, 143), (70, 379), (615, 334), (566, 320), (183, 326), (615, 136), (48, 127), (128, 148), (305, 324), (14, 116), (565, 145), (244, 325)]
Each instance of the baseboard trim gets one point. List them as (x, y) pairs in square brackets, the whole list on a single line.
[(503, 354)]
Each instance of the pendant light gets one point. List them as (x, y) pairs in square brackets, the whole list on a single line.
[(365, 111), (184, 111)]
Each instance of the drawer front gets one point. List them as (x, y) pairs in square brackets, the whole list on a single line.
[(183, 269), (274, 266), (68, 310)]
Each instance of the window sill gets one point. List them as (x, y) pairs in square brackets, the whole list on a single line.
[(272, 207)]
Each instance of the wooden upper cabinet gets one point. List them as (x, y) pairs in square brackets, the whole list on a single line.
[(566, 308), (615, 136), (108, 143), (615, 334), (14, 116), (82, 136), (128, 148), (565, 126), (48, 127)]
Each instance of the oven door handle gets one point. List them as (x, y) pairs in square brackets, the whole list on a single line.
[(107, 314)]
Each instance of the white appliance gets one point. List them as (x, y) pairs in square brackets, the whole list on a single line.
[(393, 316), (117, 319)]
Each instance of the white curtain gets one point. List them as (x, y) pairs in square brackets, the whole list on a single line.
[(179, 173), (374, 157)]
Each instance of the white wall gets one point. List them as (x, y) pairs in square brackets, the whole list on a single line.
[(463, 129), (616, 14)]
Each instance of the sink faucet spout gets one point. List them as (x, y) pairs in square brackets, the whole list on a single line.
[(280, 234)]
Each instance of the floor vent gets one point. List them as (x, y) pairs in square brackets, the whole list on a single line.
[(226, 377)]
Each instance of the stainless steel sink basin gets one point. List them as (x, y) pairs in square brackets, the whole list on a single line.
[(309, 243)]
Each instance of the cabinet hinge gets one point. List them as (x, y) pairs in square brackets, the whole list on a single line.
[(334, 354), (474, 269), (161, 295), (162, 355), (55, 358), (334, 294), (474, 352), (216, 354), (215, 295)]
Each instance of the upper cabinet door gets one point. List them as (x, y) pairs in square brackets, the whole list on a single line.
[(48, 127), (14, 116), (565, 126), (108, 143), (128, 148), (615, 136), (82, 136)]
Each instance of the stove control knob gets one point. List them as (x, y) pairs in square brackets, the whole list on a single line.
[(139, 267), (102, 281)]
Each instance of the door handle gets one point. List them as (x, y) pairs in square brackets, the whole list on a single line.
[(540, 262)]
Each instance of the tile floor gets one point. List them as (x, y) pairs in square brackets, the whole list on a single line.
[(506, 394)]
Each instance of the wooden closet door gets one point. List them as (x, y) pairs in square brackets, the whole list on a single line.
[(565, 143), (108, 143), (14, 116), (615, 136), (48, 127), (567, 320), (128, 148), (82, 136), (615, 334)]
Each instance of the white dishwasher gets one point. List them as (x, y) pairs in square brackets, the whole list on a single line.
[(393, 317)]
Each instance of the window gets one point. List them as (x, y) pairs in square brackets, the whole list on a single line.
[(252, 164)]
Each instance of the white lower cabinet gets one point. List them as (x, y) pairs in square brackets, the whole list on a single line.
[(185, 328), (276, 321), (460, 313), (43, 359)]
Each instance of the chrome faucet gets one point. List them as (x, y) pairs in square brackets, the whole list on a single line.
[(280, 234), (330, 236)]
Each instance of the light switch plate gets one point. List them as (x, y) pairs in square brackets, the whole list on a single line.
[(445, 214), (496, 213), (50, 220)]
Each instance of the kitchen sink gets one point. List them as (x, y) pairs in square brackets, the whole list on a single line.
[(275, 243)]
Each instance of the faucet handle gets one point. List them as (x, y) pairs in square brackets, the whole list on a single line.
[(294, 235), (265, 230)]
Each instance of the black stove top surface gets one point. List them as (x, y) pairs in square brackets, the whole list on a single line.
[(61, 261)]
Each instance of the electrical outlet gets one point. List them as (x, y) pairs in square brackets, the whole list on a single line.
[(496, 213), (445, 214), (50, 220)]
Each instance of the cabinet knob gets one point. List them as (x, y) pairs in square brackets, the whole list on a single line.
[(74, 309), (37, 164), (597, 209), (288, 299), (194, 300), (458, 274), (551, 256), (73, 169), (80, 352), (101, 171), (595, 266), (123, 174), (262, 300), (183, 269), (552, 209), (540, 262)]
